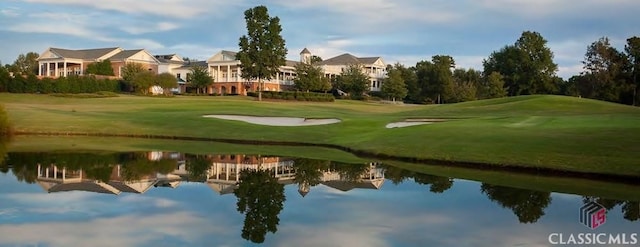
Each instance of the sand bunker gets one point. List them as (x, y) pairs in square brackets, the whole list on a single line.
[(277, 121), (414, 122)]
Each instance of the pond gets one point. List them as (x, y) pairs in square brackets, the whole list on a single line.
[(160, 198)]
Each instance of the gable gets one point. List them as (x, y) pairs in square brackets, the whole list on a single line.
[(223, 56), (48, 54)]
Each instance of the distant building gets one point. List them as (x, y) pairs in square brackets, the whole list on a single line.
[(58, 62), (374, 67), (227, 76)]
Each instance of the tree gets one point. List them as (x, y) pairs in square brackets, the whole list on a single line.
[(166, 81), (128, 72), (466, 84), (632, 48), (393, 86), (315, 59), (353, 81), (435, 79), (262, 50), (606, 70), (527, 66), (310, 77), (100, 68), (493, 86), (200, 78), (142, 81), (26, 64), (260, 198)]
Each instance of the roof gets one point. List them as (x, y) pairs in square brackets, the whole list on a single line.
[(190, 64), (305, 51), (291, 63), (349, 59), (349, 185), (89, 186), (229, 53), (166, 58), (341, 60), (83, 54), (125, 54)]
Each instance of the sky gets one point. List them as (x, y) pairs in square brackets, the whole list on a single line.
[(404, 31)]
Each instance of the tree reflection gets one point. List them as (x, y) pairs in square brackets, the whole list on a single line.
[(438, 184), (630, 209), (197, 166), (260, 198), (308, 173), (528, 205)]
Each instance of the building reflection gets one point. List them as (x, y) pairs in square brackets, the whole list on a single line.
[(220, 172)]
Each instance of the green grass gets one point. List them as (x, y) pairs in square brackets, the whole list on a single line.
[(534, 131)]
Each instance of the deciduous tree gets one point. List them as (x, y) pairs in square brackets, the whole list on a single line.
[(527, 66), (262, 50), (200, 78), (310, 77), (26, 64), (166, 81), (353, 81), (606, 70)]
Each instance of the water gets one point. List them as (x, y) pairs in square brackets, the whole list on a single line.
[(177, 199)]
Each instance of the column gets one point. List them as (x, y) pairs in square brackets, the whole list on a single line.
[(56, 70), (40, 68), (228, 73), (238, 73), (55, 172), (64, 171), (218, 74), (81, 68), (65, 68)]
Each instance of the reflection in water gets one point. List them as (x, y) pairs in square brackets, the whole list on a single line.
[(438, 184), (257, 182), (260, 198), (528, 205), (630, 209)]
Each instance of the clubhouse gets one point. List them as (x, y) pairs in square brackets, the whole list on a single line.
[(222, 66)]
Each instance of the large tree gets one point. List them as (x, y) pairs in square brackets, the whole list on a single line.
[(262, 50), (310, 77), (632, 49), (435, 79), (142, 81), (393, 86), (199, 78), (527, 66), (605, 71), (26, 63)]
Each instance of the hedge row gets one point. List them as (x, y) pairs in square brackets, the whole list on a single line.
[(71, 84), (295, 95)]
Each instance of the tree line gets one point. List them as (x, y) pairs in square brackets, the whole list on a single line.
[(523, 68)]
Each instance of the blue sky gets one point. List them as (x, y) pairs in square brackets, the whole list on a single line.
[(404, 31)]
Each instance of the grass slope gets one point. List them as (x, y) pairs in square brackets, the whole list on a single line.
[(534, 131)]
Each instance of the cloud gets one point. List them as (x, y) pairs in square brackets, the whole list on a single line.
[(150, 27), (135, 230), (179, 9), (10, 12)]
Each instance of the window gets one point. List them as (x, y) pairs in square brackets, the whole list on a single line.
[(178, 76)]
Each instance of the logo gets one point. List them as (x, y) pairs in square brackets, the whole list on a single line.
[(593, 215)]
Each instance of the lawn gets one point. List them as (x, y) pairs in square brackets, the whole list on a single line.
[(555, 132)]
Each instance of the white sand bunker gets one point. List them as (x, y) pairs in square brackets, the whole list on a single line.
[(414, 122), (277, 121)]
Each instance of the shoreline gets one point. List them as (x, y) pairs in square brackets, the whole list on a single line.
[(512, 168)]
